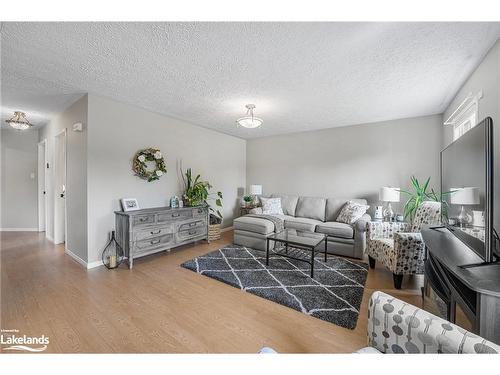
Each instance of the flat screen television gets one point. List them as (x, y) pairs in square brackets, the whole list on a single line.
[(467, 184)]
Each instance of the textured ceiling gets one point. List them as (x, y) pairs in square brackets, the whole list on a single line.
[(301, 76)]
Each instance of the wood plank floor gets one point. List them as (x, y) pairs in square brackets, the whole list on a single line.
[(159, 306)]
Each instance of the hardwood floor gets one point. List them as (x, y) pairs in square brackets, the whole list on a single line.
[(159, 306)]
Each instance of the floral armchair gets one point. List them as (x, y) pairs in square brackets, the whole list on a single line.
[(399, 246)]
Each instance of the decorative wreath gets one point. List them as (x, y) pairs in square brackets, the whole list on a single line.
[(141, 168)]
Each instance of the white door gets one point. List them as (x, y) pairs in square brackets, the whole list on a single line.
[(42, 188), (60, 188)]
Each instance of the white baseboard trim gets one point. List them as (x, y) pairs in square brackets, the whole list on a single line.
[(18, 229), (81, 261), (95, 264), (227, 229), (76, 257)]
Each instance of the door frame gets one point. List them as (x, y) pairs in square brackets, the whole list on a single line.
[(43, 214), (60, 237)]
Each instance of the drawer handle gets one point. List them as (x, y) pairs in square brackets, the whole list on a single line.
[(143, 218), (191, 232), (175, 215), (155, 242), (157, 232), (192, 224)]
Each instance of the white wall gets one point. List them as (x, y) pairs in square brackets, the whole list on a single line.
[(76, 175), (19, 153), (348, 162), (117, 131), (486, 77)]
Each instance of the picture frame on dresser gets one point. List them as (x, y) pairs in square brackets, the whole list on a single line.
[(129, 204)]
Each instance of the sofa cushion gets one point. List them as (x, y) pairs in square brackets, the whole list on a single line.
[(352, 212), (335, 229), (253, 224), (288, 203), (271, 206), (334, 206), (301, 223), (311, 207)]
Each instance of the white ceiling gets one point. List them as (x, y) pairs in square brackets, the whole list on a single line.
[(301, 76)]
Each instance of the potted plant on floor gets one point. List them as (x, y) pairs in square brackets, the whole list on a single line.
[(421, 193), (196, 193)]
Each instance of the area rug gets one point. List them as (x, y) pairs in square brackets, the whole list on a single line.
[(333, 295)]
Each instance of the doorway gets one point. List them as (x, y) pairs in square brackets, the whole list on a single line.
[(42, 186), (60, 224)]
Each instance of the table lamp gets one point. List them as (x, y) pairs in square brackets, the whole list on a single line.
[(466, 196), (389, 194), (255, 191)]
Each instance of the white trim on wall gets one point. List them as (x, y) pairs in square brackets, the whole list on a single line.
[(95, 264), (75, 257), (467, 104), (18, 229), (81, 261)]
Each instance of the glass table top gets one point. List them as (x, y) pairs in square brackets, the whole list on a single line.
[(298, 237)]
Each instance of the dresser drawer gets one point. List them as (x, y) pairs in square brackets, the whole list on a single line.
[(143, 219), (199, 212), (153, 232), (193, 224), (153, 243), (174, 215), (184, 235)]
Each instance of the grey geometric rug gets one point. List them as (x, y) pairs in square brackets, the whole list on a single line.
[(333, 295)]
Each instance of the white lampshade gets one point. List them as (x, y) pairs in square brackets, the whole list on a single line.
[(389, 194), (255, 189), (465, 195)]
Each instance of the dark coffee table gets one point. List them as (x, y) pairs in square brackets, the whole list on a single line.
[(297, 245)]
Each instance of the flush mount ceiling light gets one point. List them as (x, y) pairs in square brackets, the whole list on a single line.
[(19, 121), (249, 121)]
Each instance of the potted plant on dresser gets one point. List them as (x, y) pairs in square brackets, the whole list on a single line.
[(197, 193)]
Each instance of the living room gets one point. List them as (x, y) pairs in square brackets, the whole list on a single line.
[(249, 187)]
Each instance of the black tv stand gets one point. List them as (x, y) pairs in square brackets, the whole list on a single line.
[(481, 264), (460, 277)]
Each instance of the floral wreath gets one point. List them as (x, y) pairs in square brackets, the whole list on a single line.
[(141, 169)]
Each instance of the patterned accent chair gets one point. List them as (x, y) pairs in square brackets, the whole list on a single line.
[(397, 327), (399, 246)]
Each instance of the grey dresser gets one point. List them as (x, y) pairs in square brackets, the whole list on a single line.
[(151, 230)]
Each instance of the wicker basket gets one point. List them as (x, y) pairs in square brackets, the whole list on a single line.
[(214, 232)]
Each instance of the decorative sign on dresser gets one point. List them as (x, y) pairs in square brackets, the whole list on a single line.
[(151, 230)]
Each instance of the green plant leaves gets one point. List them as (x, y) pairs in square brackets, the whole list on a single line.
[(420, 195), (197, 192)]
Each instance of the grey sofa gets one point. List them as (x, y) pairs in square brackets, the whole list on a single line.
[(313, 214)]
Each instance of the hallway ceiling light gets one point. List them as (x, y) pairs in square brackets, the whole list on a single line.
[(19, 121), (249, 121)]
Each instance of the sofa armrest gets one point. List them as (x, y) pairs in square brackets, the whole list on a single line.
[(385, 229), (256, 210), (361, 224), (395, 326)]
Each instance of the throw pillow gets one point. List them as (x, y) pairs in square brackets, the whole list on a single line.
[(352, 212), (271, 206)]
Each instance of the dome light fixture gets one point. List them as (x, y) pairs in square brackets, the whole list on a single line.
[(19, 121), (249, 121)]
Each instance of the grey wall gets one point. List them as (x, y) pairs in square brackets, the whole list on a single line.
[(19, 153), (486, 77), (117, 131), (76, 175), (349, 162)]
